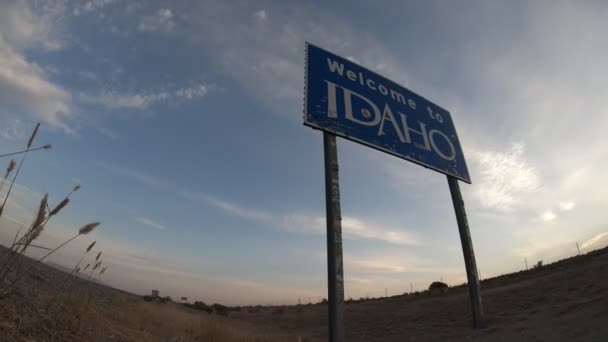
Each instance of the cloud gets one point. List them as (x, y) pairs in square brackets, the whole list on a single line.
[(25, 87), (566, 206), (91, 6), (302, 223), (595, 242), (505, 178), (12, 129), (108, 133), (548, 216), (115, 99), (260, 15), (23, 25), (161, 21), (22, 203), (150, 223), (401, 264), (273, 68), (136, 175)]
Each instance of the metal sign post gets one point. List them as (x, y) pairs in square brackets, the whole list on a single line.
[(335, 271), (479, 321), (345, 99)]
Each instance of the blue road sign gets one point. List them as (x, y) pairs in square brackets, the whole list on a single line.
[(355, 103)]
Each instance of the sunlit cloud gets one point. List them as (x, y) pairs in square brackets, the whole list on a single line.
[(594, 240), (506, 178), (303, 223), (548, 216), (260, 15), (566, 206)]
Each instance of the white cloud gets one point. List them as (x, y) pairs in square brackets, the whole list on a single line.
[(150, 223), (162, 21), (91, 6), (114, 99), (566, 206), (272, 68), (296, 222), (596, 240), (25, 87), (136, 175), (505, 178), (548, 216), (260, 15), (397, 264), (12, 129)]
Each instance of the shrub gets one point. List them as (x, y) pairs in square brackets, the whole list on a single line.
[(220, 309), (438, 286)]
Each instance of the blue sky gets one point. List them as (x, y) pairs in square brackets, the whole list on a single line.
[(183, 123)]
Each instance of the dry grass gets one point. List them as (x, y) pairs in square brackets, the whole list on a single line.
[(91, 312)]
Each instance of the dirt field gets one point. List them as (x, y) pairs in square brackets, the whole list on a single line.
[(565, 301)]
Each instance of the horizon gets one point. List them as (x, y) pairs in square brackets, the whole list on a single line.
[(183, 124)]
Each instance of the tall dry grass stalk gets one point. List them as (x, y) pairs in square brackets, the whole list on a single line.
[(83, 256), (36, 228), (29, 145), (19, 248), (86, 229), (45, 147)]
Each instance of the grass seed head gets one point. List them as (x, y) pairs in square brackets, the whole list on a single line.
[(76, 188), (41, 216), (47, 146), (98, 255), (91, 246), (86, 229), (10, 168), (31, 141), (34, 235), (87, 266), (59, 206)]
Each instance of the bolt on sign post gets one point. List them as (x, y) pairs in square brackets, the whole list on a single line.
[(347, 100)]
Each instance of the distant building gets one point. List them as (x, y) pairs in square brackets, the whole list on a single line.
[(155, 293), (184, 299)]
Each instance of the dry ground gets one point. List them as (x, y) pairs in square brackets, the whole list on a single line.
[(565, 301)]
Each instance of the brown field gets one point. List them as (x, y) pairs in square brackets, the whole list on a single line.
[(564, 301)]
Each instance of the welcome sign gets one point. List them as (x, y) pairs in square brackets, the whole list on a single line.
[(355, 103)]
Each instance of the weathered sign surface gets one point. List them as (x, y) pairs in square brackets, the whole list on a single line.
[(355, 103)]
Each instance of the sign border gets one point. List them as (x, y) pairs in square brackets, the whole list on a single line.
[(365, 143)]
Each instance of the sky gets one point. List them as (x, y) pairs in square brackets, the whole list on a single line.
[(182, 121)]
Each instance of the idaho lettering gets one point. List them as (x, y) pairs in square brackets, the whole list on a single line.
[(407, 130)]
